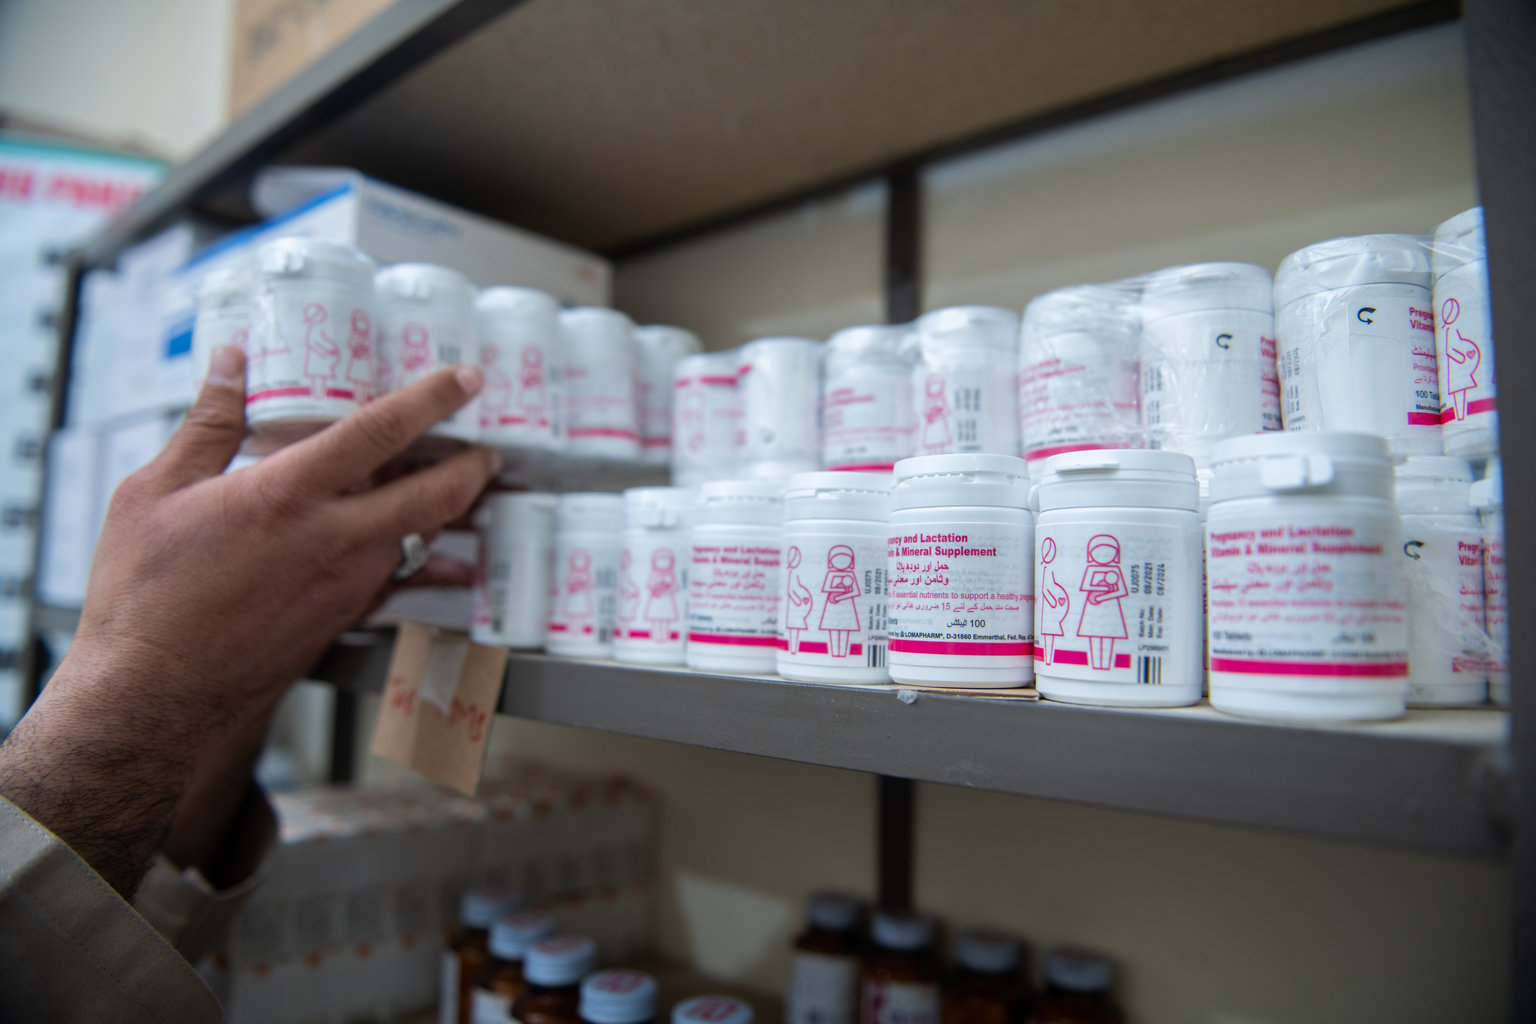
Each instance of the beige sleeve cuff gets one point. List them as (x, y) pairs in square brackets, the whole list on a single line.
[(72, 949), (185, 907)]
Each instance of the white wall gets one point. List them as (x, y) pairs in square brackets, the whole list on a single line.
[(154, 72)]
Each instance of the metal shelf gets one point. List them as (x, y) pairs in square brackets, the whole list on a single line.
[(1430, 780), (615, 128)]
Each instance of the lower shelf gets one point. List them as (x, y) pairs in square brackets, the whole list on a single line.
[(1433, 780)]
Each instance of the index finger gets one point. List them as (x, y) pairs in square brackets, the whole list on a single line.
[(348, 451)]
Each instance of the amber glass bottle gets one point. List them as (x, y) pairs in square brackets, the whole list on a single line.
[(618, 997), (501, 980), (824, 970), (552, 973), (469, 948), (900, 980), (1077, 990), (987, 986)]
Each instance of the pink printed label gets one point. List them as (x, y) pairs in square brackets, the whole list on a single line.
[(1307, 595), (733, 590), (961, 589)]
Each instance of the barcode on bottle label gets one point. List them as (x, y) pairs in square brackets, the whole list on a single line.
[(874, 656), (1149, 671)]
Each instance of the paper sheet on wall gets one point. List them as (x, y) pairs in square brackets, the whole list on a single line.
[(438, 702)]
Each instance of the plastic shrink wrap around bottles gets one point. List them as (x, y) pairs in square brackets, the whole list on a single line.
[(1080, 372)]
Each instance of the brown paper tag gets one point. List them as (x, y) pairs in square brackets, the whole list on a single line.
[(438, 704)]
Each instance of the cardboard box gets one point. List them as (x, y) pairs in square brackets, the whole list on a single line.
[(276, 39)]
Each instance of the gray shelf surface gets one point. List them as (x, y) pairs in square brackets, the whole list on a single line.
[(1433, 780)]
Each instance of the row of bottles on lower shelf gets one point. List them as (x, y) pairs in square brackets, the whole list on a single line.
[(894, 974)]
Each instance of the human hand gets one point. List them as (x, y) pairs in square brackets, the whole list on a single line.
[(211, 593)]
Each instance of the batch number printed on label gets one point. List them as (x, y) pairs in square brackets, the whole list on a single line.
[(960, 592)]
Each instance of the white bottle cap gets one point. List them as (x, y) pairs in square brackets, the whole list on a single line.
[(1078, 970), (585, 510), (426, 283), (757, 502), (989, 327), (987, 951), (1351, 261), (598, 325), (1427, 484), (1097, 309), (759, 347), (505, 300), (1304, 462), (665, 343), (1459, 241), (618, 997), (1488, 493), (1201, 286), (835, 495), (961, 479), (479, 908), (902, 930), (717, 368), (514, 934), (1119, 477), (712, 1010), (518, 508), (562, 960), (657, 508), (869, 343), (834, 911), (314, 258)]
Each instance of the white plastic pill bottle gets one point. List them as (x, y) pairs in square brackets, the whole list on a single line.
[(225, 309), (707, 433), (585, 574), (734, 579), (311, 351), (780, 382), (1487, 496), (1308, 596), (1464, 337), (832, 625), (1208, 368), (961, 609), (1118, 583), (602, 365), (866, 398), (1079, 374), (1357, 341), (427, 323), (517, 537), (964, 396), (523, 398), (1443, 556), (653, 576), (660, 349)]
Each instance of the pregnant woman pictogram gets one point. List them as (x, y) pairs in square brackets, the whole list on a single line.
[(1103, 620), (1465, 356), (797, 610), (321, 353), (1055, 602)]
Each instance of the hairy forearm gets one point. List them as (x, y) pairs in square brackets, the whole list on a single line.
[(200, 827), (103, 764)]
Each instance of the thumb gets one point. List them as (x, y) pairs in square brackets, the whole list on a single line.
[(210, 436)]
